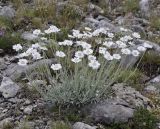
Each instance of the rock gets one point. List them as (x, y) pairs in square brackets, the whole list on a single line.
[(151, 89), (1, 51), (99, 23), (8, 88), (6, 122), (156, 47), (144, 7), (155, 80), (7, 12), (28, 36), (131, 96), (2, 64), (95, 8), (16, 72), (80, 125), (27, 124), (28, 110), (139, 29), (120, 108), (153, 86), (108, 113)]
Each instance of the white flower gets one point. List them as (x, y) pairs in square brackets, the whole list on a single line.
[(91, 58), (43, 38), (110, 35), (79, 54), (126, 38), (77, 34), (30, 51), (36, 56), (22, 62), (24, 54), (35, 46), (117, 56), (102, 50), (68, 42), (121, 44), (47, 31), (87, 29), (43, 48), (83, 44), (71, 36), (17, 47), (94, 64), (108, 44), (123, 29), (131, 43), (52, 29), (146, 45), (107, 56), (37, 32), (76, 60), (88, 51), (136, 35), (135, 53), (60, 54), (56, 67), (98, 41), (141, 48), (98, 31), (126, 51)]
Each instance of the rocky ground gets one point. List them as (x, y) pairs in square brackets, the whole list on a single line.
[(20, 107)]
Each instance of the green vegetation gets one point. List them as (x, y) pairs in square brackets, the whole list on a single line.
[(155, 22), (60, 125), (131, 6), (143, 119)]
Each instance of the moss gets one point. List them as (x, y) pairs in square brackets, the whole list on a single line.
[(9, 39), (60, 125), (132, 77), (8, 126), (150, 64), (155, 22), (131, 6), (143, 119), (68, 18), (5, 24)]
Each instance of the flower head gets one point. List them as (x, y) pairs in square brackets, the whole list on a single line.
[(79, 54), (22, 62), (117, 56), (37, 32), (88, 51), (135, 53), (94, 64), (146, 45), (108, 44), (91, 58), (17, 47), (56, 67), (108, 57), (60, 54), (36, 55), (141, 48), (76, 60), (126, 51), (102, 50), (136, 35)]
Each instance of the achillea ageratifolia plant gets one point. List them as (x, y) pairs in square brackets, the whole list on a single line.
[(87, 63)]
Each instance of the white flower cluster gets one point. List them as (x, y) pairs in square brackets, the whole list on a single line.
[(104, 45)]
